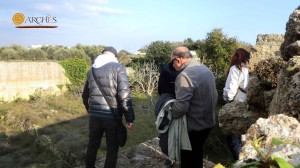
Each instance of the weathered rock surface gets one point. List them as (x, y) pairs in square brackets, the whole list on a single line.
[(274, 90), (268, 70), (290, 46), (258, 97), (144, 155), (294, 96), (236, 117), (269, 39), (277, 126), (287, 97), (267, 46), (255, 94)]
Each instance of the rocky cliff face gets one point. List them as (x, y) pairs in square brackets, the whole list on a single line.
[(287, 97), (290, 46), (273, 98), (267, 46), (22, 79)]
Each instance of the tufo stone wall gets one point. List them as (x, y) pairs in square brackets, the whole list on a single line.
[(267, 46), (22, 79)]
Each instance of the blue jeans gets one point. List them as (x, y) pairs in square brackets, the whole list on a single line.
[(97, 127), (234, 145)]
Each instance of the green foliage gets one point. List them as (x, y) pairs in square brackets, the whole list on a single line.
[(60, 86), (157, 51), (18, 98), (220, 83), (293, 69), (36, 95), (57, 52), (200, 50), (13, 52), (218, 48), (215, 147), (61, 54), (190, 44), (63, 136), (124, 57), (8, 53), (215, 51), (75, 70), (77, 53), (91, 51), (276, 141), (37, 54), (267, 159)]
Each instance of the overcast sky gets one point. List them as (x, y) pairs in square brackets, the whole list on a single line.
[(132, 24)]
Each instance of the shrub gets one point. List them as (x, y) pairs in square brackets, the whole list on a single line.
[(75, 70), (220, 83)]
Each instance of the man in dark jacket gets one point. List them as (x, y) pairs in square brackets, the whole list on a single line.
[(166, 91), (111, 76), (166, 82)]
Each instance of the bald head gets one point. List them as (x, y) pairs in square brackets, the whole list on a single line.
[(181, 52)]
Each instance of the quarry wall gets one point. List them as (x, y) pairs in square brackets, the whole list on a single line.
[(22, 79), (267, 46)]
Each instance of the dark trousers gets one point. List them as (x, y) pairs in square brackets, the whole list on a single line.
[(97, 127), (163, 142), (194, 158), (235, 145)]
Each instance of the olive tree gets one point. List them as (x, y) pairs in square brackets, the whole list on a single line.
[(145, 77), (37, 54), (8, 53)]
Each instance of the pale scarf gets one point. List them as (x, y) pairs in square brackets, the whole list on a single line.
[(103, 59)]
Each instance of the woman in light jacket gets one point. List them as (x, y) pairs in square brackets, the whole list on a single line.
[(236, 90), (237, 77)]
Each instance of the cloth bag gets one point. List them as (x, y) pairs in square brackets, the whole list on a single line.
[(121, 134), (240, 96)]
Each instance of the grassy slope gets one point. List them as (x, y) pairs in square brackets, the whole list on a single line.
[(61, 127), (61, 132)]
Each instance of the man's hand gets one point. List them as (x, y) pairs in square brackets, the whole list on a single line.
[(130, 126)]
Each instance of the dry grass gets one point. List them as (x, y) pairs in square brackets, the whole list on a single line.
[(53, 132)]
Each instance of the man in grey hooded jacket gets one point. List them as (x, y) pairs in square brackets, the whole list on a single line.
[(196, 97)]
